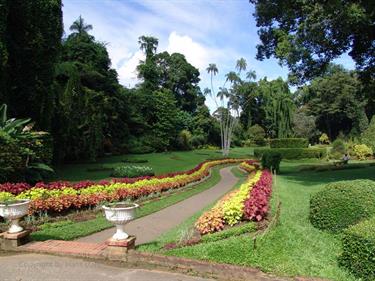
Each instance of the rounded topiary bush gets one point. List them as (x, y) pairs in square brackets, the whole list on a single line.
[(342, 204)]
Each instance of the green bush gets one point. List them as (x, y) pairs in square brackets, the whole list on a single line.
[(362, 151), (368, 136), (338, 149), (289, 143), (256, 135), (184, 140), (233, 231), (271, 160), (134, 160), (12, 158), (141, 149), (132, 171), (293, 153), (198, 140), (358, 254), (342, 204)]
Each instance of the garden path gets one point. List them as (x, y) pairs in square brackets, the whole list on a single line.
[(148, 228), (36, 267)]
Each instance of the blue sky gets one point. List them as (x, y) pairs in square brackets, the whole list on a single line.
[(215, 31)]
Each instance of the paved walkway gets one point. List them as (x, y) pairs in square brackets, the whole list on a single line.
[(148, 228), (35, 267)]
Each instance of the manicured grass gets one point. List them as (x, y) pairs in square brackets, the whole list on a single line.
[(72, 230), (294, 247), (160, 162)]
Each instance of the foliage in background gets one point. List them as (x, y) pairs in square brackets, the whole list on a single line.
[(293, 153), (338, 149), (368, 136), (306, 36), (256, 135), (362, 151), (289, 143)]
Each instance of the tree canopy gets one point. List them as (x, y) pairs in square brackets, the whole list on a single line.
[(307, 35)]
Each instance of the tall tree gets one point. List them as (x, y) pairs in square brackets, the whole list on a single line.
[(336, 100), (307, 35), (33, 40), (80, 27)]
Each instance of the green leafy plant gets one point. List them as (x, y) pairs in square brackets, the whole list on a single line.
[(293, 153), (289, 143), (338, 149), (324, 139), (358, 254), (132, 171), (271, 160), (362, 151)]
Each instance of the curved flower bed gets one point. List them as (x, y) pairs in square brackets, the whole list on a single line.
[(61, 196), (250, 201)]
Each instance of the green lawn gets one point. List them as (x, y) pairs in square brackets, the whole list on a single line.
[(161, 163), (294, 247)]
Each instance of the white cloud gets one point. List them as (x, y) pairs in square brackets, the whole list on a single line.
[(195, 53), (128, 71)]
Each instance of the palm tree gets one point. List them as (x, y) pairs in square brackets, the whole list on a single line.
[(212, 69), (251, 75), (232, 77), (148, 44), (241, 65), (80, 27)]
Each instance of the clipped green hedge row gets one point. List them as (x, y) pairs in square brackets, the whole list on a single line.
[(342, 204), (359, 250), (289, 143), (293, 153)]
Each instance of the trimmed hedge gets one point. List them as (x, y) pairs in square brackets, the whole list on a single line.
[(132, 171), (289, 143), (293, 153), (271, 160), (342, 204), (359, 250)]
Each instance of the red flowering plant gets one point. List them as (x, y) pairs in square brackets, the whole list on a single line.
[(257, 206)]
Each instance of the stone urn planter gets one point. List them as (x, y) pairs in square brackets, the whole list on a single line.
[(120, 214), (14, 211)]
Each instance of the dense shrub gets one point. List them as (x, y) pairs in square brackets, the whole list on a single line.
[(134, 160), (256, 135), (141, 149), (338, 149), (293, 153), (289, 143), (271, 160), (132, 171), (341, 204), (324, 139), (362, 151), (184, 140), (198, 140), (12, 158), (358, 254), (368, 136)]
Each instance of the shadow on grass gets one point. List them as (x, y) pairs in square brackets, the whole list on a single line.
[(312, 177)]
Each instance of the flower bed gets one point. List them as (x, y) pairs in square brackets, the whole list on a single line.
[(250, 201), (61, 196)]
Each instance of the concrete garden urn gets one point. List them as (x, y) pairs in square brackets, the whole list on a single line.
[(14, 211), (120, 214)]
